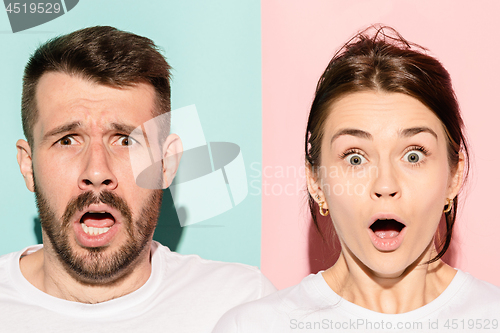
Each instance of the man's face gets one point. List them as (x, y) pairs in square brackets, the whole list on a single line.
[(95, 218)]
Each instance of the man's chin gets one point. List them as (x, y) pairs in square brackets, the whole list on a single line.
[(103, 260), (99, 265)]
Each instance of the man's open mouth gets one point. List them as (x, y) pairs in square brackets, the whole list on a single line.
[(96, 222)]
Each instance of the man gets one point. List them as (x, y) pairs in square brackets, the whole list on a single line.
[(98, 269)]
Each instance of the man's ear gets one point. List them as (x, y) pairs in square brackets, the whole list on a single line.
[(172, 152), (457, 179), (314, 185), (25, 163)]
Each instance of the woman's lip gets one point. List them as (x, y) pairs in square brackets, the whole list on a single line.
[(385, 216), (387, 244)]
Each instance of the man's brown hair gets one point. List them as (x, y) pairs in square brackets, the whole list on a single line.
[(102, 54)]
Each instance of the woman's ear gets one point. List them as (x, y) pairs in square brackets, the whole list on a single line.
[(25, 163), (314, 185), (456, 179), (172, 153)]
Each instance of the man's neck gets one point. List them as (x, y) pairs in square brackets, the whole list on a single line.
[(45, 272)]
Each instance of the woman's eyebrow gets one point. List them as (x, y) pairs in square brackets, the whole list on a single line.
[(408, 132), (352, 131)]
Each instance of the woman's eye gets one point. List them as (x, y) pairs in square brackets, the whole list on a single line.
[(67, 141), (413, 156), (355, 159)]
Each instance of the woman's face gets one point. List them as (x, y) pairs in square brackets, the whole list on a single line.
[(385, 178)]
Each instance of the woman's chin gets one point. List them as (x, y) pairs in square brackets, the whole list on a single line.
[(388, 274), (388, 270)]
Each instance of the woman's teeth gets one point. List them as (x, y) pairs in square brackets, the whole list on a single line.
[(387, 234)]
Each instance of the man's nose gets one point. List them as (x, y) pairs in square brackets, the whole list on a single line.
[(97, 174)]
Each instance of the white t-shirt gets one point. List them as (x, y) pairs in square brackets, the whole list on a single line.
[(183, 294), (466, 305)]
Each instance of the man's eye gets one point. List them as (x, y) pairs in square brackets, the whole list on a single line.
[(125, 141), (67, 141)]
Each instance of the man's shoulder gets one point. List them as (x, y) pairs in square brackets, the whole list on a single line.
[(220, 277), (10, 274), (200, 268), (194, 261), (5, 266), (7, 257), (8, 260)]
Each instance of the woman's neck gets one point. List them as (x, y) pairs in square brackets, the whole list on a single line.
[(415, 287)]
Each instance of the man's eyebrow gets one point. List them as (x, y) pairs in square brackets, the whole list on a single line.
[(125, 129), (408, 132), (352, 131), (61, 129)]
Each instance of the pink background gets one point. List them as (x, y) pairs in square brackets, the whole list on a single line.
[(298, 39)]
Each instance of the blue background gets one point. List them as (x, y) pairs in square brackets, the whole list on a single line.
[(214, 48)]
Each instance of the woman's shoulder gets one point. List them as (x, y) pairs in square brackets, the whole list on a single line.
[(479, 289), (308, 293), (272, 313), (471, 295)]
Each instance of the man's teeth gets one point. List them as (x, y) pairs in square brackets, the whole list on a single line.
[(93, 231)]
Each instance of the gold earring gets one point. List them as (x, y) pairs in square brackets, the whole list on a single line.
[(449, 205), (321, 203)]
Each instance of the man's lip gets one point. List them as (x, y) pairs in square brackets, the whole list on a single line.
[(385, 216), (99, 208)]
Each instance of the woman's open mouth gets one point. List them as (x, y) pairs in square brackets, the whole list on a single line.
[(387, 234)]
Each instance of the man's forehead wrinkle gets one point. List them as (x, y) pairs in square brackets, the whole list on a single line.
[(98, 109), (125, 128), (94, 126)]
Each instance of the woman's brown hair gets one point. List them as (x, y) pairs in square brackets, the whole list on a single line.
[(380, 59)]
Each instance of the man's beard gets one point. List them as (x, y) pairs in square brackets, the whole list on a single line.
[(97, 265)]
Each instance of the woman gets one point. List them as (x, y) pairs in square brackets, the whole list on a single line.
[(386, 158)]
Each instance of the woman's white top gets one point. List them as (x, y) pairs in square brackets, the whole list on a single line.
[(466, 305)]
